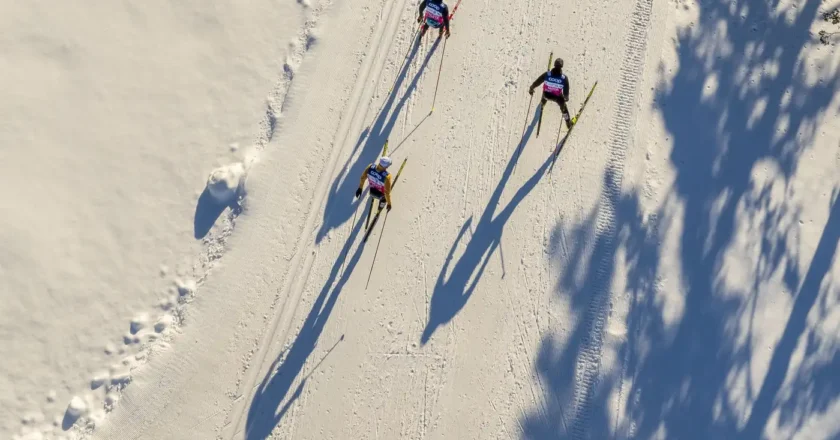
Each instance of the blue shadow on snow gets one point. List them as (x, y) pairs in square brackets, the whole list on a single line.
[(372, 140), (451, 293), (682, 367)]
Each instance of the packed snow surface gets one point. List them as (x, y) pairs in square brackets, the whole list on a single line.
[(182, 255)]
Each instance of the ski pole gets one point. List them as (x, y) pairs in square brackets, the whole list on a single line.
[(558, 146), (560, 130), (373, 263), (524, 125), (443, 52), (542, 103)]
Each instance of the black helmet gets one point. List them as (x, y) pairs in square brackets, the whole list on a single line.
[(558, 63)]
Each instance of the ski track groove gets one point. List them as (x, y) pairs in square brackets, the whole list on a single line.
[(300, 266), (621, 132), (534, 395), (421, 317)]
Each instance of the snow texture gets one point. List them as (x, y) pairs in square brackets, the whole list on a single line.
[(672, 276)]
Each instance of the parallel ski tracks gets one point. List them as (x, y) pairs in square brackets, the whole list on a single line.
[(621, 136), (301, 264)]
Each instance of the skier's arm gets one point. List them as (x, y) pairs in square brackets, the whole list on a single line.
[(446, 18), (538, 81), (566, 88), (388, 189), (422, 8), (364, 176)]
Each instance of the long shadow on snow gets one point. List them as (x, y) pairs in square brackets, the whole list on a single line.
[(588, 275), (265, 411), (451, 294), (336, 211), (739, 102)]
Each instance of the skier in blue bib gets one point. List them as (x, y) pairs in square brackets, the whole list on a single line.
[(379, 180), (555, 88), (436, 15)]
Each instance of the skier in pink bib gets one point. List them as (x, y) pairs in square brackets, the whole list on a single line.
[(555, 88), (436, 15)]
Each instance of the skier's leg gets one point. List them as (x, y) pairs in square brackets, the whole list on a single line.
[(542, 110), (376, 195), (565, 109), (370, 209)]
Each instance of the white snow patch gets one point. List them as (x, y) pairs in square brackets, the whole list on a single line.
[(225, 183), (77, 407)]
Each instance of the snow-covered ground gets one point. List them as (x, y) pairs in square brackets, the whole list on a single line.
[(672, 276), (113, 117)]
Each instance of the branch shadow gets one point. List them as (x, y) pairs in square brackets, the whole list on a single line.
[(738, 102), (587, 279), (824, 386), (450, 294), (371, 140), (267, 406)]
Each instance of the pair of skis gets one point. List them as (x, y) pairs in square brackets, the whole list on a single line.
[(370, 224), (559, 144)]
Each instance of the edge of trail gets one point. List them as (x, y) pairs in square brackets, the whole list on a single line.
[(301, 263)]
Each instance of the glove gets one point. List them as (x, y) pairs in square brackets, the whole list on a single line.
[(358, 192), (389, 207), (531, 91), (419, 19), (447, 33)]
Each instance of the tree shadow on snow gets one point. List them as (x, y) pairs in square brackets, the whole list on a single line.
[(272, 400), (371, 140), (739, 102), (451, 294)]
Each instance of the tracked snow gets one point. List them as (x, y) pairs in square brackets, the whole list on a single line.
[(671, 275)]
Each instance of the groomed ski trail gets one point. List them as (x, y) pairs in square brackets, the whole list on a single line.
[(621, 137), (300, 266)]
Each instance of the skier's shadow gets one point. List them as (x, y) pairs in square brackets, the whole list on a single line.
[(451, 294), (372, 139), (270, 402)]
